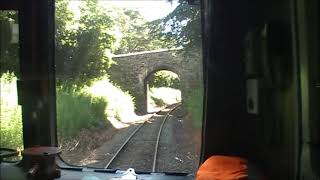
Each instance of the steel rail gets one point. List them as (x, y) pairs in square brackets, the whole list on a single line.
[(128, 139), (136, 130), (125, 143), (158, 137)]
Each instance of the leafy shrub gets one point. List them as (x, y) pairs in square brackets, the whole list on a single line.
[(158, 101), (120, 105), (78, 110), (10, 115), (164, 79), (194, 105)]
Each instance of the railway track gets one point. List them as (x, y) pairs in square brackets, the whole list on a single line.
[(125, 145)]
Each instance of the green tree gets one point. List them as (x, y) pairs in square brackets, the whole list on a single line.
[(135, 36), (83, 45), (9, 52), (180, 28), (164, 78)]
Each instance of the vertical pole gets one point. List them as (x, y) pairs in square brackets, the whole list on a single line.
[(36, 19)]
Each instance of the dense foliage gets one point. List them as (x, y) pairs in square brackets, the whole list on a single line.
[(164, 79), (85, 41), (83, 45), (78, 110), (134, 33), (194, 105), (180, 28), (9, 52)]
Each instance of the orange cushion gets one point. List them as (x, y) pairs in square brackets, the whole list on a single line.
[(223, 168)]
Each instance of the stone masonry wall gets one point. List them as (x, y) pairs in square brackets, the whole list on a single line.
[(131, 72)]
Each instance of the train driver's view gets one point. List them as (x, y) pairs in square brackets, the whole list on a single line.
[(159, 90)]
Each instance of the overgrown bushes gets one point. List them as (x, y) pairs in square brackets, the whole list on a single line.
[(10, 115), (121, 104), (165, 79), (78, 110), (89, 106), (194, 105)]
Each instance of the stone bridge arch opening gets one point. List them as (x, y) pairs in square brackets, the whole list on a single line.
[(162, 86), (131, 72)]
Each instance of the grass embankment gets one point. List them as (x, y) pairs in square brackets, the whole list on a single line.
[(170, 94), (10, 114), (77, 109), (85, 114), (193, 102), (194, 106)]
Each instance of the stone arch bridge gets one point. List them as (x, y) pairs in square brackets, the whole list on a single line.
[(131, 72)]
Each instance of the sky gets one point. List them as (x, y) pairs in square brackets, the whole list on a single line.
[(149, 9)]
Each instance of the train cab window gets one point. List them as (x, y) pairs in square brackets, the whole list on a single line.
[(10, 115), (129, 87)]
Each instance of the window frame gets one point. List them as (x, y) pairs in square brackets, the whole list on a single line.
[(36, 92)]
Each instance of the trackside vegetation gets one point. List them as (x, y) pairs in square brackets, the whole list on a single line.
[(10, 113), (194, 105), (76, 109)]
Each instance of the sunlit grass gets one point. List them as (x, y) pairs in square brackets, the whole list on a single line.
[(162, 96), (10, 114), (78, 110), (120, 108)]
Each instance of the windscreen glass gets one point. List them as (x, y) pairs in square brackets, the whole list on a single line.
[(129, 84)]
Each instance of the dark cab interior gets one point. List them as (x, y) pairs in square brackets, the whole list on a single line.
[(261, 79)]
